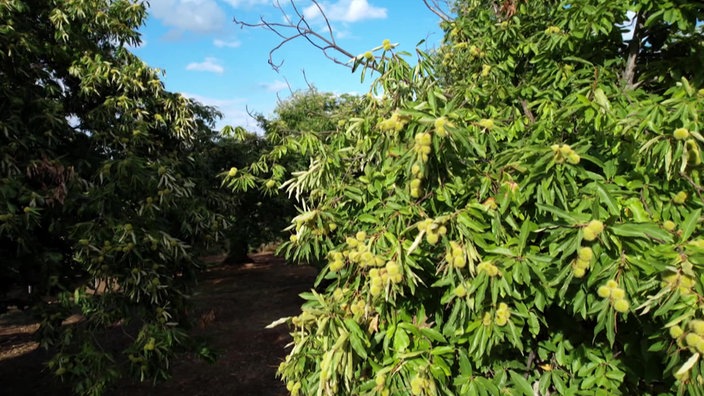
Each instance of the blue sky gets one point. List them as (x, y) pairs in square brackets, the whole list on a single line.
[(206, 56)]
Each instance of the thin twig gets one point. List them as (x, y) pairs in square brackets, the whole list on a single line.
[(298, 27), (437, 10), (311, 87)]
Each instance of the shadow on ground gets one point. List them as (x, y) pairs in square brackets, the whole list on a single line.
[(233, 305)]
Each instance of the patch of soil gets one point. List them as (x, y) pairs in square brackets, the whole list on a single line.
[(234, 304)]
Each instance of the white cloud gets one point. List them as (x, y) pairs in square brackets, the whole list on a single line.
[(246, 3), (198, 16), (346, 11), (275, 86), (222, 43), (234, 111), (342, 34), (208, 65)]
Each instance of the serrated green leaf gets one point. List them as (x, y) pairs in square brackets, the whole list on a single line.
[(642, 230), (521, 384), (690, 224), (607, 199)]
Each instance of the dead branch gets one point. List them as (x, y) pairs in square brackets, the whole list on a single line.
[(435, 8), (290, 91), (296, 26), (311, 87)]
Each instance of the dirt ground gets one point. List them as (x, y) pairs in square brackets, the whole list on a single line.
[(234, 304)]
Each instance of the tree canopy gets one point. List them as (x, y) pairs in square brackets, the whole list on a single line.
[(109, 191), (519, 213)]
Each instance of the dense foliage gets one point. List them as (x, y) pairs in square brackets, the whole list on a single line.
[(520, 212), (291, 139), (108, 189)]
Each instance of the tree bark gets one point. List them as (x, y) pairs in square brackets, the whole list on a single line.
[(629, 73)]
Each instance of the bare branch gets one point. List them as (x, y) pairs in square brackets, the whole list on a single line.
[(250, 113), (435, 8), (527, 112), (290, 91), (298, 27), (305, 78)]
